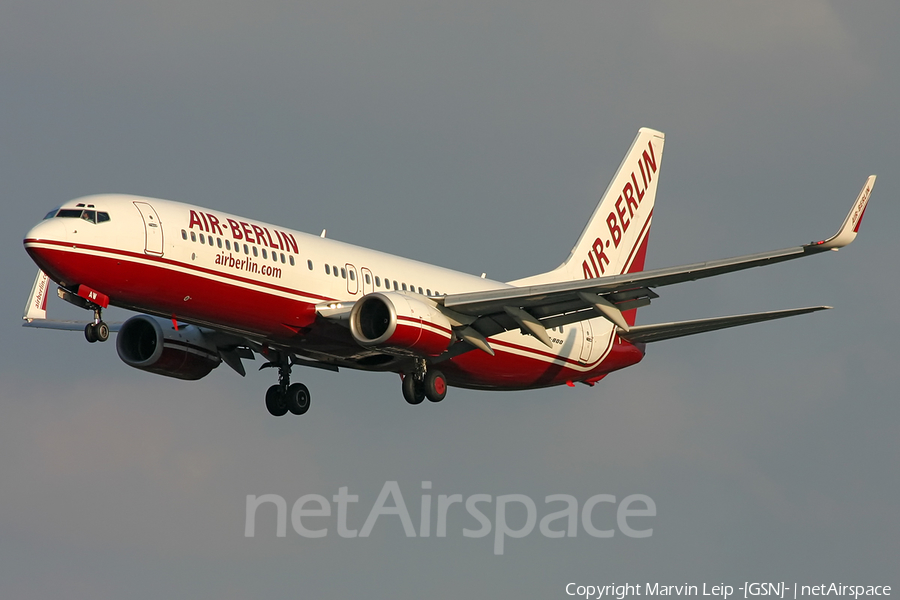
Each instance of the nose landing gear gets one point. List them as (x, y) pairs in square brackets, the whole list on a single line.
[(88, 299), (98, 331)]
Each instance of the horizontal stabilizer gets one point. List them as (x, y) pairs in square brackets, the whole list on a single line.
[(668, 331)]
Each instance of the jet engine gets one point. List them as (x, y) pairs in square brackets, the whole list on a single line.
[(153, 344), (399, 324)]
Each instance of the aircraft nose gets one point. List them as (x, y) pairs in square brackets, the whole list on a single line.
[(50, 230), (38, 244)]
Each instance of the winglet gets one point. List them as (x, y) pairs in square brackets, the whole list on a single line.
[(847, 232)]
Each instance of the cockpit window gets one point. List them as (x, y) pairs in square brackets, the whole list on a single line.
[(91, 216), (51, 214)]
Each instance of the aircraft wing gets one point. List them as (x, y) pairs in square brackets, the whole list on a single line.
[(535, 308)]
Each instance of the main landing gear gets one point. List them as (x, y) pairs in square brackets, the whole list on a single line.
[(97, 331), (284, 397), (424, 383)]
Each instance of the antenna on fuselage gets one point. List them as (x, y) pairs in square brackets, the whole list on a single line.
[(322, 235)]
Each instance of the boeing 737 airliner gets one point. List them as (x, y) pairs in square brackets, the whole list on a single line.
[(212, 287)]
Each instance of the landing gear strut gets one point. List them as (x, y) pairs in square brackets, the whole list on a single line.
[(424, 383), (98, 331), (284, 396)]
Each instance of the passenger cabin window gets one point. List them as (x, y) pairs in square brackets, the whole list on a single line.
[(368, 279), (265, 254), (352, 275), (193, 237), (255, 251), (343, 273), (202, 239), (219, 242), (404, 287), (377, 281), (290, 259), (327, 270), (183, 234), (282, 257), (309, 264), (228, 244)]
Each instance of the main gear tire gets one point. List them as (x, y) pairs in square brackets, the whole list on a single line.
[(275, 401), (435, 385), (413, 391), (297, 399)]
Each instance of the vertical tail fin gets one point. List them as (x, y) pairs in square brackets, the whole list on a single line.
[(615, 238), (614, 241)]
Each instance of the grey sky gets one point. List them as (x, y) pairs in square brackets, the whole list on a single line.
[(478, 136)]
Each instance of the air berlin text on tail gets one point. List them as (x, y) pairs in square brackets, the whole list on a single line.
[(619, 220)]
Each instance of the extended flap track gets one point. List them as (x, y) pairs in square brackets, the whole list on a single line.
[(566, 312)]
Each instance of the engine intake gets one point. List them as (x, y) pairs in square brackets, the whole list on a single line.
[(400, 324), (152, 344)]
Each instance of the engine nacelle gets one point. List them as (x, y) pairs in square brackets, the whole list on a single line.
[(152, 344), (400, 324)]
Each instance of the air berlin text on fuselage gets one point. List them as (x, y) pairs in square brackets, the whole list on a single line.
[(252, 234), (618, 220)]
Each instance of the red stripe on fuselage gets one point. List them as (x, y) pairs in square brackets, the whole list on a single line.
[(158, 289), (510, 371), (87, 250), (160, 286)]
